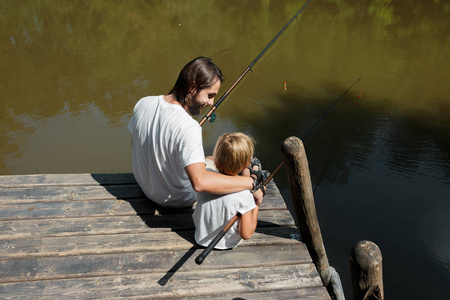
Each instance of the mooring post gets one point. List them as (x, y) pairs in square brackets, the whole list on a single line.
[(367, 271), (296, 164)]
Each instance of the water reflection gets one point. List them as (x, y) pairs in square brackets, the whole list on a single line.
[(64, 142)]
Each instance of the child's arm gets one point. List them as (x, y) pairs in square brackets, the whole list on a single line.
[(248, 223)]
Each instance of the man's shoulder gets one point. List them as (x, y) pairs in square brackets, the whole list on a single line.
[(148, 100)]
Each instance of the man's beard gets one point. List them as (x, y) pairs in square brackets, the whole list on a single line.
[(194, 106)]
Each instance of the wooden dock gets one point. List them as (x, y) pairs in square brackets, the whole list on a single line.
[(97, 236)]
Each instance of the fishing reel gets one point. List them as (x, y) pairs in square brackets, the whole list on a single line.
[(212, 117)]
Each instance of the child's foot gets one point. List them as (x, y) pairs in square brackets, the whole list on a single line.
[(265, 173)]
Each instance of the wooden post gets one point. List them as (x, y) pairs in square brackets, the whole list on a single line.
[(367, 272), (296, 163)]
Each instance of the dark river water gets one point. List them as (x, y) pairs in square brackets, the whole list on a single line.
[(72, 71)]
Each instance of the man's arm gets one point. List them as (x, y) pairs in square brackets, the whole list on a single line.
[(203, 180)]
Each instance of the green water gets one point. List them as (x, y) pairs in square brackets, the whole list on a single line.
[(71, 72)]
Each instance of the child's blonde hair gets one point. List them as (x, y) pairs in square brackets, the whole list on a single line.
[(233, 152)]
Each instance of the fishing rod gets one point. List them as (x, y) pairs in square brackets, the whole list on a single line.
[(199, 260), (211, 115)]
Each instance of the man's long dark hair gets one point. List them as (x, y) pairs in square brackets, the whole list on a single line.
[(201, 72)]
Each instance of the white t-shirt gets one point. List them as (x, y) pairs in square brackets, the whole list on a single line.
[(166, 139), (214, 211)]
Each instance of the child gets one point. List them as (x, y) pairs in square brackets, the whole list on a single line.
[(232, 155)]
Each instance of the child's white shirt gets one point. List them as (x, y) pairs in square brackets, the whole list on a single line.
[(212, 213)]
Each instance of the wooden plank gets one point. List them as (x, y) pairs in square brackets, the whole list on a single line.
[(71, 193), (94, 192), (118, 243), (51, 180), (13, 210), (182, 284), (304, 293), (24, 188), (62, 209), (89, 193), (51, 268), (21, 181), (19, 229)]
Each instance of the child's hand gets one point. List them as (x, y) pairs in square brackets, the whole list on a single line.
[(259, 195)]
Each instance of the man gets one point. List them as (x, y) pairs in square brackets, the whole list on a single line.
[(168, 158)]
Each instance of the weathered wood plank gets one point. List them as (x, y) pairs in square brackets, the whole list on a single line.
[(311, 293), (71, 193), (118, 243), (61, 209), (80, 193), (51, 180), (51, 268), (18, 229), (195, 283), (40, 180), (14, 210)]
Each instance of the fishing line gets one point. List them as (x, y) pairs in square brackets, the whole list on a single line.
[(211, 115), (253, 101), (323, 173), (310, 131)]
